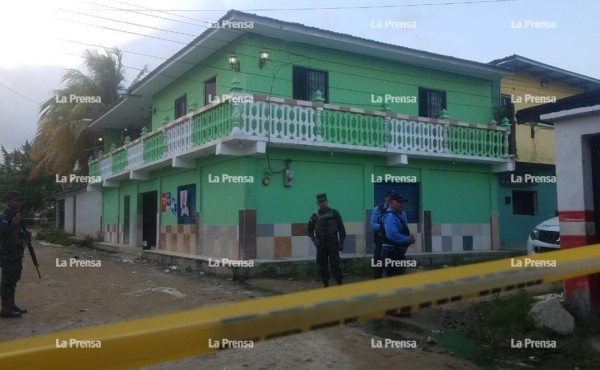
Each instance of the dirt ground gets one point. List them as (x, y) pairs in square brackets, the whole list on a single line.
[(122, 289)]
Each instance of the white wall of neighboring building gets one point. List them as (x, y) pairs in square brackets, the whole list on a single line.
[(574, 169), (83, 212), (89, 213), (573, 130), (69, 214)]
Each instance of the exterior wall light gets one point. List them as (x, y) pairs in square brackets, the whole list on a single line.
[(234, 62), (288, 174), (266, 181), (263, 57)]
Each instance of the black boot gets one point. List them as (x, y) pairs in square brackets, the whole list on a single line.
[(7, 311), (15, 308)]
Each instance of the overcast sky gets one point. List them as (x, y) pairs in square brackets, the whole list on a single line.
[(40, 39)]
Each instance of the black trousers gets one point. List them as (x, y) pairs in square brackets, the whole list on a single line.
[(329, 254), (391, 254), (11, 274), (377, 261)]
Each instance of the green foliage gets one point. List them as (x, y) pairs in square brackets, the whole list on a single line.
[(359, 267), (494, 322), (64, 142), (15, 168), (55, 236), (268, 271)]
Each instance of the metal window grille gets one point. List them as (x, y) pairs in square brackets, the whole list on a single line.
[(181, 106), (431, 102), (410, 192), (307, 81)]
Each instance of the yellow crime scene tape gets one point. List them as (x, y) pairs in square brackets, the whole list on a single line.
[(147, 341)]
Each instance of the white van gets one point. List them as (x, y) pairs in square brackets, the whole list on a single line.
[(545, 237)]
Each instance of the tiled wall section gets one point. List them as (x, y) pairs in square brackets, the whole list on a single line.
[(220, 241), (461, 237), (110, 233), (178, 238), (291, 240)]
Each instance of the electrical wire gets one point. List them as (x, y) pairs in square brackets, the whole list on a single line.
[(342, 7), (322, 60)]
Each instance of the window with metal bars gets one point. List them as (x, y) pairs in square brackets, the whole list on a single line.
[(181, 106), (306, 81), (210, 90), (410, 192), (431, 102)]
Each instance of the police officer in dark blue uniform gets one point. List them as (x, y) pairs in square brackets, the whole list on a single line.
[(377, 236), (327, 232), (12, 245), (396, 236)]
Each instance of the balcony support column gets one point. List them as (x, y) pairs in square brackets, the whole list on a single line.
[(236, 112), (318, 98), (505, 123)]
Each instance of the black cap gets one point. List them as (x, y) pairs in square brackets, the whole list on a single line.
[(322, 196), (389, 193), (398, 197), (13, 195)]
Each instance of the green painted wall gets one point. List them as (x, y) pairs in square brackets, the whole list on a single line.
[(110, 205), (346, 178), (111, 137), (353, 80), (192, 84), (514, 229), (131, 190), (453, 192), (312, 176), (458, 197), (221, 202)]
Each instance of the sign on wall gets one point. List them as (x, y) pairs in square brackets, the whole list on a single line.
[(186, 204)]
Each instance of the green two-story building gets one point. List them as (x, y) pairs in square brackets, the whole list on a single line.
[(220, 151)]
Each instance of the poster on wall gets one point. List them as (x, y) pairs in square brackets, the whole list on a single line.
[(172, 205), (163, 202), (186, 202)]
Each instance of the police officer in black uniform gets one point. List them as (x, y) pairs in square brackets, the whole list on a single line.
[(12, 244), (327, 232)]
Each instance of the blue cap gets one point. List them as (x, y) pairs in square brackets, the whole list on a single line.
[(398, 197)]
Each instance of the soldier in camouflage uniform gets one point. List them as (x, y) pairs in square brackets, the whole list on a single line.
[(12, 245), (327, 232)]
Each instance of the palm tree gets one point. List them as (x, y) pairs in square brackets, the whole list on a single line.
[(63, 138)]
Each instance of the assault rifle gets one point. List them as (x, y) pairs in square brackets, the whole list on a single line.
[(27, 236)]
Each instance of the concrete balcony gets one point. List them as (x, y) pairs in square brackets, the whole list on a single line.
[(243, 124)]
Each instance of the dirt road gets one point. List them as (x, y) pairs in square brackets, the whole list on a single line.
[(123, 288)]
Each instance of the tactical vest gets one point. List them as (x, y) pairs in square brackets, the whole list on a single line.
[(377, 236), (325, 224)]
